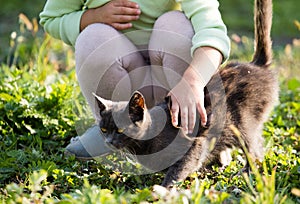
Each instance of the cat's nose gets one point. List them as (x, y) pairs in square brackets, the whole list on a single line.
[(109, 140), (117, 144)]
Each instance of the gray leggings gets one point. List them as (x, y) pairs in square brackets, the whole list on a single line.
[(110, 65)]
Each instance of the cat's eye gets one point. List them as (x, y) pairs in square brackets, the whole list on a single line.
[(104, 130), (120, 130)]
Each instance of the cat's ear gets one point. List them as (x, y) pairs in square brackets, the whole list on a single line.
[(103, 104), (136, 107)]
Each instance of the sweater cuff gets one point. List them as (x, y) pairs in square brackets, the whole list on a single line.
[(212, 38)]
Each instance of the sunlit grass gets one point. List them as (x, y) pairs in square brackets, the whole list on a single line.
[(41, 104)]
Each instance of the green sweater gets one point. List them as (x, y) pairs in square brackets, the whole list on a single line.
[(61, 19)]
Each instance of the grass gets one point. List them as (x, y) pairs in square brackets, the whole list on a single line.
[(237, 14), (42, 108)]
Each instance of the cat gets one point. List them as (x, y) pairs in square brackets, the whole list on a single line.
[(240, 95)]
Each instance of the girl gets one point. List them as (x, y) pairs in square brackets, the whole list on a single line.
[(159, 47)]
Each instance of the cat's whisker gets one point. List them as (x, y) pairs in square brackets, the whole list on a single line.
[(137, 143), (129, 153), (123, 152)]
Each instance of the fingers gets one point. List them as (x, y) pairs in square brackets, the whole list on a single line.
[(187, 103), (122, 22), (125, 3), (121, 26), (202, 111), (127, 8), (184, 119), (188, 119), (127, 11), (192, 119), (122, 13), (187, 115), (174, 111), (124, 18)]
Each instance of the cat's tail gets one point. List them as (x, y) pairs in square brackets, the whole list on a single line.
[(262, 30)]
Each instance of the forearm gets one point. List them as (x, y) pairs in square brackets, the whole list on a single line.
[(206, 61), (88, 18), (61, 19)]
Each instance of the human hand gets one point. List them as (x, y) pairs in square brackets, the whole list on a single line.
[(117, 13), (188, 97)]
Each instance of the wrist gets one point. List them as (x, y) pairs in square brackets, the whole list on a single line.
[(194, 77), (205, 63), (88, 17)]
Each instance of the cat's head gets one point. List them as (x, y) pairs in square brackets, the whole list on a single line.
[(123, 123)]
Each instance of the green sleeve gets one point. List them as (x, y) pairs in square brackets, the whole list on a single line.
[(207, 22), (61, 18)]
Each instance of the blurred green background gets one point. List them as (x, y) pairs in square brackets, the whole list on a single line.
[(237, 14)]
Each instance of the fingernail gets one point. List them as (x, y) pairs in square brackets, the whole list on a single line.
[(203, 124)]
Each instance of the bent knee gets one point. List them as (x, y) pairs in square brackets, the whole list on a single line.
[(175, 21), (91, 38), (96, 33)]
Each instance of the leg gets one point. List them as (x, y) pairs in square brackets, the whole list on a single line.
[(169, 51), (255, 145), (106, 63), (191, 162)]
